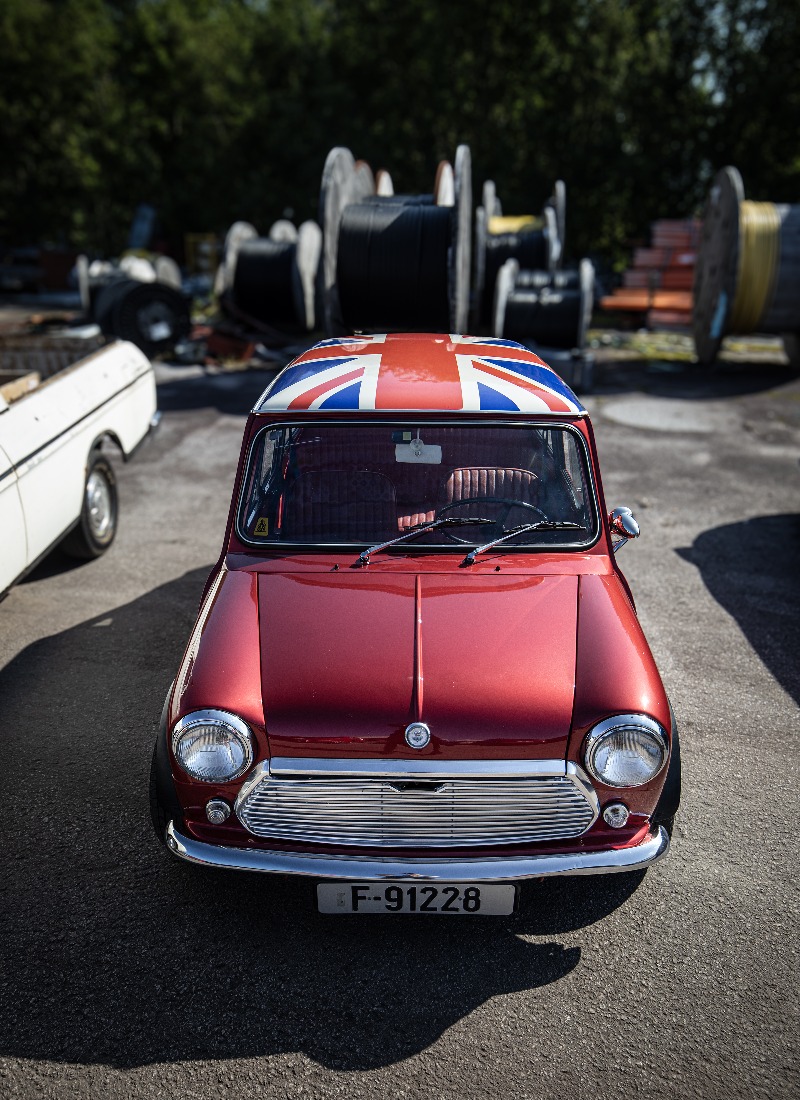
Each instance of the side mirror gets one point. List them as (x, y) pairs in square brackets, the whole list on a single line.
[(623, 524)]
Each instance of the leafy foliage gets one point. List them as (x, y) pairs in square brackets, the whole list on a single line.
[(215, 110)]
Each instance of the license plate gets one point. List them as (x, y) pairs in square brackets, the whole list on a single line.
[(458, 899)]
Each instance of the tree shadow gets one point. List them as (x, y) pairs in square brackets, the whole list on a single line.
[(233, 392), (113, 952), (753, 570), (689, 381)]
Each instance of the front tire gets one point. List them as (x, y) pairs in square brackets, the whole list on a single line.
[(97, 525)]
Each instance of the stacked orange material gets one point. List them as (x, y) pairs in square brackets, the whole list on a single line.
[(660, 281)]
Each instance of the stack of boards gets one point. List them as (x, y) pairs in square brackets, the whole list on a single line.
[(659, 281)]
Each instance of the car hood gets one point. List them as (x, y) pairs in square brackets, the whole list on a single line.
[(349, 659)]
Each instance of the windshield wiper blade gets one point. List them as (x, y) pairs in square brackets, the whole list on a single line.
[(541, 525), (419, 529)]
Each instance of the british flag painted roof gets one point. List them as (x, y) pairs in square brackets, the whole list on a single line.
[(420, 372)]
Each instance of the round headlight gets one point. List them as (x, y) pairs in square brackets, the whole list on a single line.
[(212, 745), (626, 751)]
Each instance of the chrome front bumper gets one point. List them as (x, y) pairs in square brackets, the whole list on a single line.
[(370, 868)]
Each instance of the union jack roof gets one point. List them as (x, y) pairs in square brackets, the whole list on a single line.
[(410, 372)]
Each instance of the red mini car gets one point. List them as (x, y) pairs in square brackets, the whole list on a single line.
[(417, 676)]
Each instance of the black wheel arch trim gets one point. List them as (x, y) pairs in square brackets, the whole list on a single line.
[(670, 798), (165, 785)]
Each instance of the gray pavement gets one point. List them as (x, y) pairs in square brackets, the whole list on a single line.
[(126, 974)]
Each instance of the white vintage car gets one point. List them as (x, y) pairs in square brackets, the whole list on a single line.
[(57, 483)]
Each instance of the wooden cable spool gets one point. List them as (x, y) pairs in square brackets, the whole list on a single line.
[(396, 261), (747, 275), (545, 308)]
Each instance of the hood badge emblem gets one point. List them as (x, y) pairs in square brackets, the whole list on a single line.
[(417, 735)]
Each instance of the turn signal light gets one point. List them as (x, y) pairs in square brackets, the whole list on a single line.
[(615, 814), (218, 811)]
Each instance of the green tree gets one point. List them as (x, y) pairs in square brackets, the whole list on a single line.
[(752, 70), (56, 65), (215, 110)]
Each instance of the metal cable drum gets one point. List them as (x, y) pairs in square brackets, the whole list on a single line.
[(544, 313), (747, 275)]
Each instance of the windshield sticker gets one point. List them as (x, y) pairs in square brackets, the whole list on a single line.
[(262, 527)]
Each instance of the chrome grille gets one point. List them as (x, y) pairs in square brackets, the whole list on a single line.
[(386, 811)]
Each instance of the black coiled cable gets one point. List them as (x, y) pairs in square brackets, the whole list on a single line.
[(551, 317), (153, 316), (557, 280), (266, 283), (391, 267), (528, 247)]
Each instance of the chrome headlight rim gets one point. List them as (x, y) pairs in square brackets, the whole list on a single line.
[(206, 717), (599, 732)]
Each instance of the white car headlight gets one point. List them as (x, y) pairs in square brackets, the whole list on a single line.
[(212, 745), (626, 750)]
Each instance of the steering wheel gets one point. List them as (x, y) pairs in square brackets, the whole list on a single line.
[(508, 504)]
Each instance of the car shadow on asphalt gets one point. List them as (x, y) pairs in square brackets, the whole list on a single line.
[(115, 953), (53, 565), (752, 569)]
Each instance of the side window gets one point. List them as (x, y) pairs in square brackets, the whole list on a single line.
[(563, 478), (573, 468), (259, 502)]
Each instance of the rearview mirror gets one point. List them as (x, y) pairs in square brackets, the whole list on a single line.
[(623, 524)]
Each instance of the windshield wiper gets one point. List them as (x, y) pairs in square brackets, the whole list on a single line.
[(419, 529), (542, 525)]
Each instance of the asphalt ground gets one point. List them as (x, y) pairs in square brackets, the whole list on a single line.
[(125, 973)]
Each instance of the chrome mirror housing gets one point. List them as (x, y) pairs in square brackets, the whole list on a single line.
[(623, 524)]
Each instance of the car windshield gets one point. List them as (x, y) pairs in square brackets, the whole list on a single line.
[(367, 483)]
